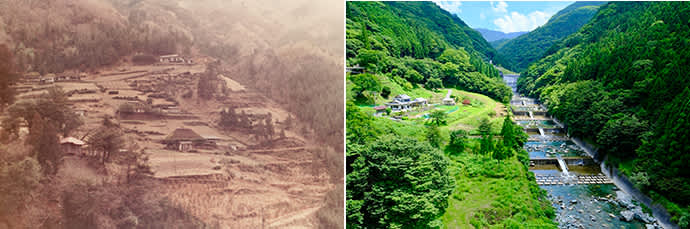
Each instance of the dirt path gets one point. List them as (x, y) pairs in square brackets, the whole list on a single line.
[(299, 215)]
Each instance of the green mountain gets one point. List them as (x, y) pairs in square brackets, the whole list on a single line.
[(528, 48), (415, 29), (417, 43), (492, 35), (621, 82)]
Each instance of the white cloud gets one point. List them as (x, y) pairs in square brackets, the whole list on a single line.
[(515, 22), (482, 16), (452, 7), (500, 7)]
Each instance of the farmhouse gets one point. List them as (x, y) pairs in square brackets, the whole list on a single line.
[(448, 101), (355, 70), (403, 102), (174, 58), (49, 78), (71, 145), (183, 140), (380, 109)]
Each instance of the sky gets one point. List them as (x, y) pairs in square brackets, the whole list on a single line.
[(504, 16)]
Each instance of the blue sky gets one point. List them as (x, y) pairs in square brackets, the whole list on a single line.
[(505, 16)]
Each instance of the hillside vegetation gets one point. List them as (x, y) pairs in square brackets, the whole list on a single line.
[(528, 48), (419, 43), (621, 83), (431, 167)]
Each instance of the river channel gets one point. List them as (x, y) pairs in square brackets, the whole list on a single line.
[(582, 196)]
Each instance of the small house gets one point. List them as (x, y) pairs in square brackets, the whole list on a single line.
[(404, 102), (448, 101), (355, 70), (183, 140), (380, 109), (172, 58), (48, 79), (71, 145)]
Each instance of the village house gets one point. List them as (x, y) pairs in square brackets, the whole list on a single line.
[(71, 145), (403, 102), (48, 79), (174, 58), (355, 70), (380, 109), (448, 101), (183, 140)]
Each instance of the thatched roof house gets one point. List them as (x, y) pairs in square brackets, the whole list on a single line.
[(183, 134), (183, 139)]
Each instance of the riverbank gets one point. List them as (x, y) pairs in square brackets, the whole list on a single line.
[(621, 181)]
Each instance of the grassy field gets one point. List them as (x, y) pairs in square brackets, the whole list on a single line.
[(492, 193), (506, 71), (466, 117)]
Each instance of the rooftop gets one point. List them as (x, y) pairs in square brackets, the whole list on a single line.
[(71, 140), (403, 96), (183, 134)]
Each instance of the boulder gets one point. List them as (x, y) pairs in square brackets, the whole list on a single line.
[(627, 215), (624, 199), (644, 217)]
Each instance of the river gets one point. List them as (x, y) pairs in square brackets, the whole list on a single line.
[(581, 194)]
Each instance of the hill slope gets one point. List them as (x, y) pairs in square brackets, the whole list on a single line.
[(417, 43), (491, 35), (620, 82), (415, 29), (529, 47)]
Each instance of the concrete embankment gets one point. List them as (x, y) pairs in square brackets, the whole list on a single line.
[(622, 182)]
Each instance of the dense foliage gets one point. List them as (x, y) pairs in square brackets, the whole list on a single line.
[(397, 182), (528, 48), (419, 43), (621, 82), (415, 29), (392, 181)]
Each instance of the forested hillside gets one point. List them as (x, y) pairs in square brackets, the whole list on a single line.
[(621, 83), (528, 48), (415, 29), (420, 168), (420, 43), (491, 35)]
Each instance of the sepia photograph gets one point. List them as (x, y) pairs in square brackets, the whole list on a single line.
[(171, 114)]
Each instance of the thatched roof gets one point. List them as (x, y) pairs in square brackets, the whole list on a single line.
[(183, 134), (72, 140)]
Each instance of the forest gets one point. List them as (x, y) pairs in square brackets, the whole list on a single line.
[(620, 83), (418, 43), (528, 48), (431, 174)]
